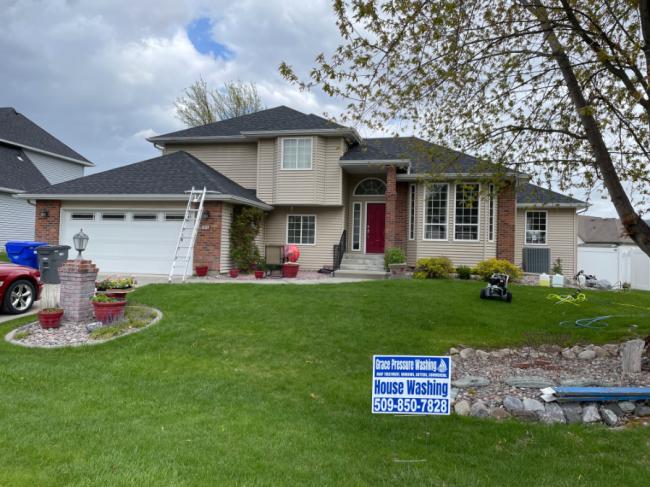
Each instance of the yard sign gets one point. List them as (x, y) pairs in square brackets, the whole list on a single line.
[(411, 384)]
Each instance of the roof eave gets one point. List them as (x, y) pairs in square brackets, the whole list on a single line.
[(11, 190), (48, 153), (246, 136), (374, 162), (451, 175), (552, 205)]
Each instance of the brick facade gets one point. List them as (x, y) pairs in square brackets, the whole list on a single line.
[(390, 230), (506, 214), (77, 287), (207, 248), (47, 227)]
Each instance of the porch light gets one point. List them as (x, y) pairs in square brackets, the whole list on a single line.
[(80, 242), (45, 213)]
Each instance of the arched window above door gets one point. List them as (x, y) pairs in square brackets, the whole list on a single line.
[(370, 187)]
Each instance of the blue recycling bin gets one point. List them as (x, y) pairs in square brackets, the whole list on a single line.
[(23, 252)]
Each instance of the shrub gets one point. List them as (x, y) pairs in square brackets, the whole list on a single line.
[(433, 268), (557, 266), (245, 226), (394, 255), (464, 272), (488, 267)]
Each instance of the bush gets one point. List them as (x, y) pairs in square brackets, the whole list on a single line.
[(433, 268), (394, 255), (244, 228), (488, 267), (464, 272), (557, 266)]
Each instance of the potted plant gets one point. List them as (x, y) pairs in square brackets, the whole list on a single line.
[(117, 287), (395, 262), (260, 270), (50, 317), (234, 273), (107, 309), (201, 270), (290, 268)]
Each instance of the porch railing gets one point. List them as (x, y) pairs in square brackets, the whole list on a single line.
[(339, 250)]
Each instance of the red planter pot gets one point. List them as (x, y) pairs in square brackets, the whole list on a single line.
[(50, 319), (201, 270), (109, 312), (259, 274), (234, 273), (290, 270)]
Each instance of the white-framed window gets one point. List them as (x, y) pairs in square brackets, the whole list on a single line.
[(536, 227), (356, 226), (301, 229), (145, 217), (466, 222), (370, 187), (412, 190), (492, 216), (113, 216), (297, 153), (174, 217), (82, 216), (435, 211)]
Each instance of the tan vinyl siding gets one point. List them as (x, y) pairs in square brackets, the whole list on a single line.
[(237, 161), (226, 220), (561, 236), (329, 226), (320, 185), (461, 252)]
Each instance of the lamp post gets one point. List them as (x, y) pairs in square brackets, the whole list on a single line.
[(80, 242)]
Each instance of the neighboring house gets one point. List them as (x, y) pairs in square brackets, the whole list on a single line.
[(323, 188), (30, 158), (605, 251)]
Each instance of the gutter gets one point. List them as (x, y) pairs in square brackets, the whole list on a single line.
[(48, 153), (552, 205), (10, 190), (375, 162), (451, 175), (254, 135)]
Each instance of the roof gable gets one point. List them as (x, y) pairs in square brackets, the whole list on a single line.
[(17, 171), (530, 194), (17, 129)]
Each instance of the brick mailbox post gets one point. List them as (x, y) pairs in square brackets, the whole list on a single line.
[(77, 287)]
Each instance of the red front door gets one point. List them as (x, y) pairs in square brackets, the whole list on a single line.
[(375, 226)]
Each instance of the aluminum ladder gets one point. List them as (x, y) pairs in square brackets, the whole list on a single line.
[(189, 230)]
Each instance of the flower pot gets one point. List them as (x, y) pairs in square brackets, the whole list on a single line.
[(201, 270), (233, 273), (259, 274), (290, 269), (398, 271), (109, 312), (50, 318)]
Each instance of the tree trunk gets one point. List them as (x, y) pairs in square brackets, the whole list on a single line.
[(636, 228)]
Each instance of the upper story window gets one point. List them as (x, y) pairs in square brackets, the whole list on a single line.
[(467, 212), (297, 153), (536, 227), (370, 187)]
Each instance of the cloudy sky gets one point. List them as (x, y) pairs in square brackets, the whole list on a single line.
[(102, 75)]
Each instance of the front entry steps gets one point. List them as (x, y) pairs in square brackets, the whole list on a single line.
[(362, 266)]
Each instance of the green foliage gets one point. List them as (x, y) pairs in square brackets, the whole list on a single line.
[(488, 267), (115, 283), (102, 298), (134, 317), (21, 335), (433, 268), (394, 255), (245, 226), (557, 266), (201, 105), (464, 272)]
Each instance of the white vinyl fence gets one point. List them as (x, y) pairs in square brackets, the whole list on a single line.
[(626, 263)]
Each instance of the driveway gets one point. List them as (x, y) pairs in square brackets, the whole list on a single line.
[(5, 317)]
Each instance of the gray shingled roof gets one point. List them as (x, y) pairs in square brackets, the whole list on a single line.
[(422, 154), (594, 230), (531, 194), (17, 171), (17, 128), (271, 120), (170, 174)]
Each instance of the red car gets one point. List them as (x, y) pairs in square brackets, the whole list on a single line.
[(20, 286)]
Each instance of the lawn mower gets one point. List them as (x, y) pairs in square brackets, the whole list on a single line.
[(497, 288)]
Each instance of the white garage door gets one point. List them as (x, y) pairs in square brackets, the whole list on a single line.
[(125, 241)]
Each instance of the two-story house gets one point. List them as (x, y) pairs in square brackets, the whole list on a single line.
[(323, 188), (30, 158)]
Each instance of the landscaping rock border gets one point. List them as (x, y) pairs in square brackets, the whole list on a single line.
[(71, 334)]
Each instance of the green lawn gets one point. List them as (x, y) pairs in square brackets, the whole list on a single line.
[(270, 385)]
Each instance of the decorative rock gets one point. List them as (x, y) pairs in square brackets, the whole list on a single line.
[(552, 414), (642, 411), (93, 326), (496, 354), (505, 352), (499, 413), (627, 406), (454, 351), (512, 403), (532, 382), (462, 408), (609, 416), (587, 355), (525, 415), (590, 414), (615, 408), (479, 410), (579, 382), (611, 349), (482, 354), (466, 353), (572, 412), (600, 351), (568, 354), (533, 405), (576, 349), (471, 381)]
